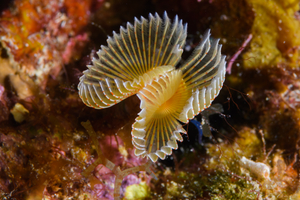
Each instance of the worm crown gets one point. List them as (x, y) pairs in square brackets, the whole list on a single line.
[(141, 60)]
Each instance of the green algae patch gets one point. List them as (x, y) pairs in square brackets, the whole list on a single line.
[(217, 185), (276, 34), (227, 155), (223, 186)]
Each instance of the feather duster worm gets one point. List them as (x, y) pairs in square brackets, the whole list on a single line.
[(141, 60)]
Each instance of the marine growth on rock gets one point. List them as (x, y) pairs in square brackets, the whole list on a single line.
[(142, 60)]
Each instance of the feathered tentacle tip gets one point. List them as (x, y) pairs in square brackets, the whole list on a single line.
[(141, 60)]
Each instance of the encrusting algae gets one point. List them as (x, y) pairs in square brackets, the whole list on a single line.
[(142, 60), (276, 34)]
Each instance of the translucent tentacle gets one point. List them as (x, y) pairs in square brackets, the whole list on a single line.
[(203, 96)]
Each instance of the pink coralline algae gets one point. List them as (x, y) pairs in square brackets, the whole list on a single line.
[(41, 36)]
